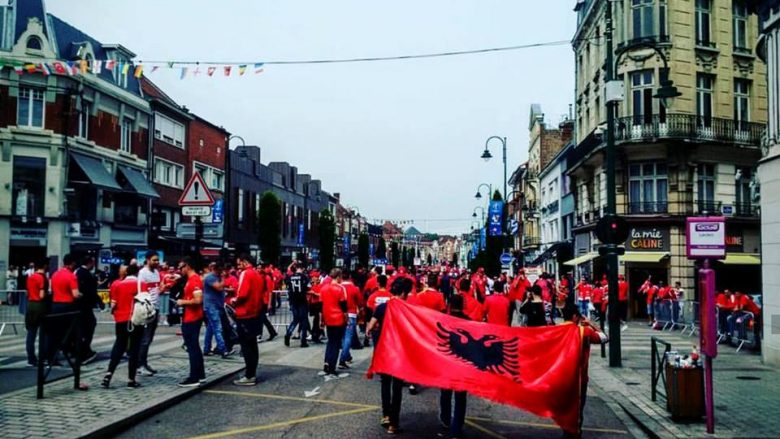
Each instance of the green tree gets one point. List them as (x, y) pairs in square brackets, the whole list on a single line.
[(363, 247), (395, 256), (381, 249), (327, 240), (493, 247), (269, 220)]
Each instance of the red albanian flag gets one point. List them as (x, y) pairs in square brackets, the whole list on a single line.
[(534, 369)]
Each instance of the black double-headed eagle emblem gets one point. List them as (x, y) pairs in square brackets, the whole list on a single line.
[(488, 353)]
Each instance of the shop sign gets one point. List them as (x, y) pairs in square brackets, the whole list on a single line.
[(705, 237), (735, 241), (648, 239)]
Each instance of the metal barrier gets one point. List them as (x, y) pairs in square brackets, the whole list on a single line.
[(663, 313), (657, 366), (50, 332), (282, 314), (689, 317), (12, 297), (12, 311)]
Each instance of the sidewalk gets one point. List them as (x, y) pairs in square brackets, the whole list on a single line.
[(746, 392), (65, 413)]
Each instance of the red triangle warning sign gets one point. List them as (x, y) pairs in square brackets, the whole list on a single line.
[(196, 193)]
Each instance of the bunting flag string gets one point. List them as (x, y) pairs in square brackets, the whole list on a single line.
[(137, 70)]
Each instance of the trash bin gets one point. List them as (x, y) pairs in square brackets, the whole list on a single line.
[(684, 392)]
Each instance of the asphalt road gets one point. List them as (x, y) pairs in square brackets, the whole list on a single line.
[(347, 407)]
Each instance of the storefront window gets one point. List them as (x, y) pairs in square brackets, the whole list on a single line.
[(29, 180), (126, 210)]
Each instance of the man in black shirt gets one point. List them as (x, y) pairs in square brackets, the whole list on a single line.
[(89, 299), (298, 285)]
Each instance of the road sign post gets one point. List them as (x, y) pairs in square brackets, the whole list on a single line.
[(196, 199)]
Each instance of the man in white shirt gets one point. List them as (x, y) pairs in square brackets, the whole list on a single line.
[(149, 282)]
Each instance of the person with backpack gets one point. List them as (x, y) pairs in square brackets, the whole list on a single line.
[(149, 282), (192, 301), (128, 336)]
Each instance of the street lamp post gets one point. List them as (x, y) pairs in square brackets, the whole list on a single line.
[(666, 94), (478, 195), (487, 156)]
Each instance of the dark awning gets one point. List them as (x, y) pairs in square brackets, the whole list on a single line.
[(97, 174), (550, 252), (138, 182)]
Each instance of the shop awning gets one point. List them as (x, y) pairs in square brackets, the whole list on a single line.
[(644, 256), (550, 252), (138, 182), (97, 174), (742, 259), (582, 259)]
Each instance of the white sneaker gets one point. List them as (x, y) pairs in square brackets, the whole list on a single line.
[(244, 381)]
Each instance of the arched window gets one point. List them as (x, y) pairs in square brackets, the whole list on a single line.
[(34, 43)]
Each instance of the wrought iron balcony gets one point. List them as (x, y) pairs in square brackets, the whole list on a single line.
[(708, 207), (651, 207), (689, 127), (745, 209), (531, 241)]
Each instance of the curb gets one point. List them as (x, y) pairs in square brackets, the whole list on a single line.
[(114, 427)]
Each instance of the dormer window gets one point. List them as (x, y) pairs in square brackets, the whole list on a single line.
[(34, 43)]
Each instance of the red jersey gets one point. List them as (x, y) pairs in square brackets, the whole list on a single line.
[(63, 282), (192, 313), (518, 288), (249, 294), (371, 284), (597, 295), (651, 292), (122, 293), (622, 290), (354, 298), (377, 298), (314, 294), (430, 299), (332, 296), (664, 293), (584, 291), (478, 286), (35, 283), (746, 303), (497, 309), (473, 309)]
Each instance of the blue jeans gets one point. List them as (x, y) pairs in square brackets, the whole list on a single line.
[(191, 333), (300, 315), (346, 342), (584, 307), (335, 335), (454, 419), (213, 316)]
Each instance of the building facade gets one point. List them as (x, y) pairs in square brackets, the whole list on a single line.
[(769, 176), (694, 156), (72, 140)]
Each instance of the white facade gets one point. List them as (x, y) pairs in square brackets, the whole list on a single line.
[(552, 229)]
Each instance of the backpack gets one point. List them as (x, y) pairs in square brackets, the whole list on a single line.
[(143, 310)]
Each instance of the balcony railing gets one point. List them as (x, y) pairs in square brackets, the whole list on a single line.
[(688, 126), (707, 207), (651, 207), (745, 209), (531, 241)]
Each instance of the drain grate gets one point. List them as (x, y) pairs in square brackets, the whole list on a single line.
[(748, 378)]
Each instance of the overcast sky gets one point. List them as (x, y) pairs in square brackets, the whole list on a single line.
[(398, 139)]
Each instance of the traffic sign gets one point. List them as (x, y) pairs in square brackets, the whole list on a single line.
[(506, 259), (196, 210), (218, 212), (196, 193)]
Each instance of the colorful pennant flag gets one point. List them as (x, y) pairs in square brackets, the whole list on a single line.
[(196, 72), (73, 69), (211, 70), (31, 68), (59, 68), (241, 69), (125, 69), (170, 64), (154, 68), (19, 69), (227, 70), (183, 72), (97, 67), (44, 69), (139, 71), (83, 66), (110, 64), (259, 67)]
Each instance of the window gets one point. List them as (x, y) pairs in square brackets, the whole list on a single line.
[(706, 188), (703, 13), (214, 178), (84, 120), (642, 18), (240, 206), (217, 180), (127, 136), (168, 130), (126, 210), (29, 180), (168, 173), (742, 192), (34, 43), (704, 99), (30, 108), (642, 96), (647, 187), (663, 30), (740, 15), (742, 103)]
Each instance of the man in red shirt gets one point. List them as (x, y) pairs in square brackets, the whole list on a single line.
[(192, 301), (334, 316), (497, 308), (517, 290), (471, 306), (247, 303), (354, 303), (128, 337), (584, 295), (725, 303), (380, 296), (266, 274), (479, 284), (65, 291), (37, 289), (315, 307), (623, 298), (428, 297), (597, 298)]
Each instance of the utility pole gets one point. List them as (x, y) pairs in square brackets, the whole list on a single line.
[(613, 316)]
